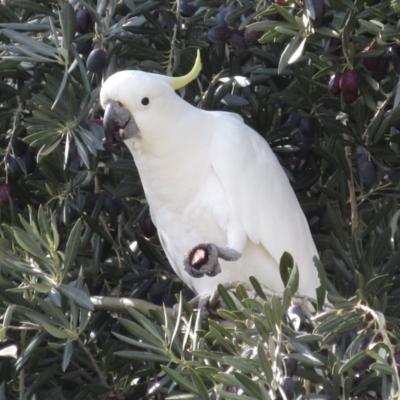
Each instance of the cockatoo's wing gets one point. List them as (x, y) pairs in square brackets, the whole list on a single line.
[(262, 199)]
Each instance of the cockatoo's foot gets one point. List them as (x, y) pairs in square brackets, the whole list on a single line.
[(201, 303), (203, 259)]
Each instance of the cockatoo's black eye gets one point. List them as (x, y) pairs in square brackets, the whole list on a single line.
[(145, 101)]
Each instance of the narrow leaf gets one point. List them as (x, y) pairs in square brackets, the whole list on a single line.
[(287, 54), (142, 356), (28, 243), (298, 53), (76, 295), (226, 297), (179, 379), (67, 354), (72, 247), (201, 389)]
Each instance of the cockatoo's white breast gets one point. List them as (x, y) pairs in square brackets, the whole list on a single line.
[(220, 183)]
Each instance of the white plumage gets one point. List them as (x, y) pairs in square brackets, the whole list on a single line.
[(209, 178)]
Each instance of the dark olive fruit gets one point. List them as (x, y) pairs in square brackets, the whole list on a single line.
[(73, 150), (377, 65), (116, 327), (169, 300), (19, 147), (308, 126), (96, 121), (350, 97), (84, 47), (362, 155), (275, 17), (393, 54), (113, 205), (187, 10), (365, 362), (350, 81), (305, 143), (232, 21), (307, 135), (394, 176), (319, 8), (280, 2), (84, 22), (325, 223), (29, 160), (381, 70), (233, 389), (146, 263), (251, 37), (333, 46), (73, 160), (221, 17), (117, 138), (333, 85), (288, 387), (236, 39), (147, 227), (75, 163), (219, 34), (370, 62), (290, 365), (294, 119), (96, 60), (7, 193), (106, 143), (296, 316), (14, 170), (368, 173), (156, 293), (95, 287)]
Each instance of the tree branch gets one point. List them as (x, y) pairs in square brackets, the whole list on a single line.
[(120, 304)]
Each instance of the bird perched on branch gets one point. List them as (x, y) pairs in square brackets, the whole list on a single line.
[(222, 204)]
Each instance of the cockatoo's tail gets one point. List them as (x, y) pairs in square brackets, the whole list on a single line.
[(118, 117)]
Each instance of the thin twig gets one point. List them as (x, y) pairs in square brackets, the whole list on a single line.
[(352, 192), (22, 373), (94, 363)]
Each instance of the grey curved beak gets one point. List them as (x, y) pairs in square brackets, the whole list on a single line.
[(117, 117)]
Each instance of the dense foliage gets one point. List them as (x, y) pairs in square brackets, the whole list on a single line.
[(319, 80)]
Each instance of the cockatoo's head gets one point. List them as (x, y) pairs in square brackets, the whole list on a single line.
[(130, 97)]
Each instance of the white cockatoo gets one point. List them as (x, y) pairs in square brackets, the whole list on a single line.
[(222, 204)]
